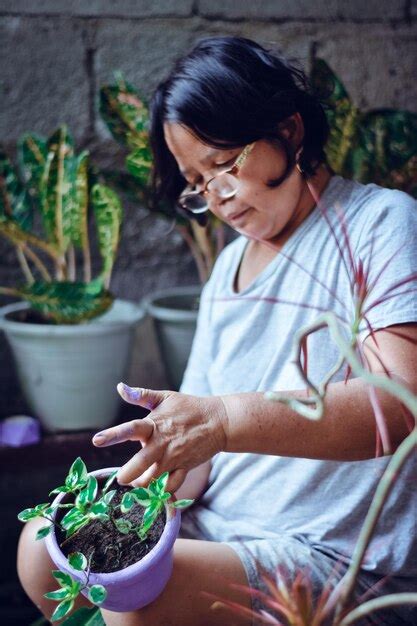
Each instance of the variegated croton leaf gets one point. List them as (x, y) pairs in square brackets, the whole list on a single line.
[(125, 113), (108, 215), (67, 302), (376, 146), (58, 188), (14, 198)]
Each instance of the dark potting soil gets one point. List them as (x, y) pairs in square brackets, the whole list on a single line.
[(110, 549), (28, 316)]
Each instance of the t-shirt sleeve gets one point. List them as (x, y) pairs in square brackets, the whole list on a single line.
[(195, 380), (388, 251)]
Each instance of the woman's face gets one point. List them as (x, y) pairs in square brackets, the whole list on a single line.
[(257, 211)]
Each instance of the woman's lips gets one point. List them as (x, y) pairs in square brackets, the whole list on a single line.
[(237, 216)]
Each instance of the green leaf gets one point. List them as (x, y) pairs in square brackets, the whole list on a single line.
[(162, 482), (76, 526), (87, 495), (79, 212), (141, 495), (127, 502), (98, 508), (80, 470), (32, 153), (182, 504), (108, 497), (44, 531), (62, 609), (97, 594), (30, 513), (59, 594), (77, 560), (124, 526), (75, 588), (27, 514), (85, 617), (151, 513), (108, 214), (14, 199), (125, 113), (65, 580), (154, 489), (74, 516), (387, 148), (139, 164), (67, 302), (343, 116), (109, 481), (58, 188)]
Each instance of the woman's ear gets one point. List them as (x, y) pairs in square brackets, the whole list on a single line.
[(293, 129)]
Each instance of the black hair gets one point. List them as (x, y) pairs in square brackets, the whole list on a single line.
[(230, 91)]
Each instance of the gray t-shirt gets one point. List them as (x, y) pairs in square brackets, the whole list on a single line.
[(244, 342)]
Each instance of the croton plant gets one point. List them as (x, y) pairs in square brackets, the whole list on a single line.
[(53, 191)]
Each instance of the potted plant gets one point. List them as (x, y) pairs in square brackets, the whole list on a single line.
[(111, 543), (69, 323), (174, 310)]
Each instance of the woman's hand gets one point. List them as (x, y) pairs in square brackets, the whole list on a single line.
[(180, 432)]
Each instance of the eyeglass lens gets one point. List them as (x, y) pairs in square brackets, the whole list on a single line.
[(224, 186)]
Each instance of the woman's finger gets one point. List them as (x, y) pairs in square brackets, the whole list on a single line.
[(176, 478), (148, 398), (154, 471), (135, 430), (138, 464)]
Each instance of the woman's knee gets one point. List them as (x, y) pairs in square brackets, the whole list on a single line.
[(33, 562)]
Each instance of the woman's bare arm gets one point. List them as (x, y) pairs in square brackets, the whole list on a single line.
[(347, 430)]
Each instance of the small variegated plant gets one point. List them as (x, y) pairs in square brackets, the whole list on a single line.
[(91, 503), (153, 499), (58, 185), (70, 588)]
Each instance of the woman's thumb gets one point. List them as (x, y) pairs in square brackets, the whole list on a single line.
[(147, 398)]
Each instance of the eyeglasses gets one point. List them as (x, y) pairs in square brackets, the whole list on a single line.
[(224, 185)]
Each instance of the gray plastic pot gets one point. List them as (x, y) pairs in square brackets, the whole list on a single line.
[(68, 373), (174, 312)]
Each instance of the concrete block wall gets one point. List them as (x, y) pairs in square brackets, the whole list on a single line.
[(55, 54)]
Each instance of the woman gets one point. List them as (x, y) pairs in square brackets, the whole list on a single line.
[(275, 490)]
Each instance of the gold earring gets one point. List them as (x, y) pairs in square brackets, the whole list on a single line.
[(297, 161)]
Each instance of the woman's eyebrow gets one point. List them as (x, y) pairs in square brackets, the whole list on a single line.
[(206, 159)]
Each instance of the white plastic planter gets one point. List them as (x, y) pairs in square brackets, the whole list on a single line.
[(174, 313), (68, 373)]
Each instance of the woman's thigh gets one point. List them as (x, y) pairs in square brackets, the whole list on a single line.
[(199, 567)]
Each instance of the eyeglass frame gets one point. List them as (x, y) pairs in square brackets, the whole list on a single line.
[(233, 171)]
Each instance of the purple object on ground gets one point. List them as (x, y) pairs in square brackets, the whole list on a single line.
[(19, 430), (138, 584)]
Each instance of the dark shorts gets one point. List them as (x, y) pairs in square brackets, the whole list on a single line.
[(283, 557)]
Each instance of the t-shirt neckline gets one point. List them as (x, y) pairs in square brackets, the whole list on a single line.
[(311, 218)]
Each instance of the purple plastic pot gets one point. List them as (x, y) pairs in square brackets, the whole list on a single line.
[(138, 584)]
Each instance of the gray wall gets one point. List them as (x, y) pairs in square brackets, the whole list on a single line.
[(54, 55)]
